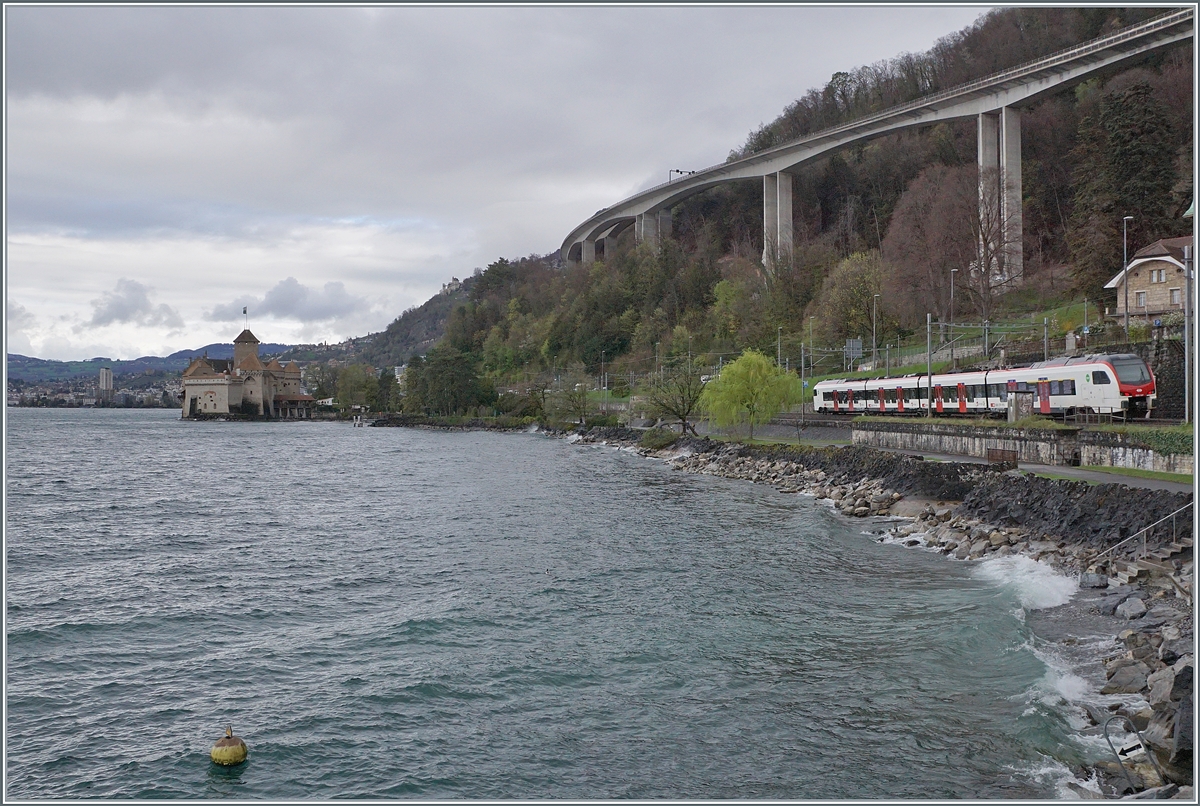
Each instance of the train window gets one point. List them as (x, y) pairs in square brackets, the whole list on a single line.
[(1055, 388), (1068, 387), (1022, 386), (1131, 370), (950, 394), (1100, 376)]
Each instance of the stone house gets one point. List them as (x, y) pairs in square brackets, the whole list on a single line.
[(244, 385), (1156, 281)]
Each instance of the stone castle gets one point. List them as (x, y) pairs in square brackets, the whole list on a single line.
[(244, 385)]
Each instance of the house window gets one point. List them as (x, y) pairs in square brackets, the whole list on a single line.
[(1139, 299), (1175, 296), (1158, 275)]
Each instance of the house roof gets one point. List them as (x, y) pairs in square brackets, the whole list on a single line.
[(274, 365), (206, 367), (245, 337), (1168, 249)]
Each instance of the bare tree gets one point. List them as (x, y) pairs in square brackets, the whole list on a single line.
[(676, 393), (997, 250), (571, 400), (943, 222)]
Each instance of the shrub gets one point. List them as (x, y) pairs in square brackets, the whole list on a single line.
[(658, 438), (601, 421)]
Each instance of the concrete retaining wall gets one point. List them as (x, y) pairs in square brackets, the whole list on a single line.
[(1107, 449), (1033, 446)]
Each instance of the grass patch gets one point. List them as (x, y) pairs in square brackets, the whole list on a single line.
[(1183, 478), (1177, 439), (1059, 477)]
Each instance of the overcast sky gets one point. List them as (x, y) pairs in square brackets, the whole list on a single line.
[(330, 167)]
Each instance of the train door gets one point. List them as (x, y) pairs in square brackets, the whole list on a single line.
[(882, 400), (849, 400), (835, 394), (900, 399), (937, 391), (1043, 390), (962, 398)]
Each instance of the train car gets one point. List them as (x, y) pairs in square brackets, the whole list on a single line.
[(1093, 384)]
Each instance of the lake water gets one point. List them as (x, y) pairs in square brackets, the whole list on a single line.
[(398, 613)]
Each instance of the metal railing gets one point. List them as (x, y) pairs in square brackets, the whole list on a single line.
[(1145, 749), (1142, 534)]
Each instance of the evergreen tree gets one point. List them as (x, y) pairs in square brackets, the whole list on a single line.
[(1092, 234), (1141, 162)]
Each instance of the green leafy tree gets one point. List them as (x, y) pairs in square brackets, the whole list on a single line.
[(676, 393), (321, 380), (452, 381), (387, 395), (354, 385), (752, 389), (416, 387)]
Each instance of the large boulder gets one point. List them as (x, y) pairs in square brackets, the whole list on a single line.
[(1181, 684), (1160, 684), (1181, 746), (1127, 680), (1131, 608), (1159, 732)]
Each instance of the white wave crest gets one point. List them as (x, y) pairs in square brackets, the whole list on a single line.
[(1037, 585)]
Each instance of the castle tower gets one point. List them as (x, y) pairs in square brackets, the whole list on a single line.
[(244, 346)]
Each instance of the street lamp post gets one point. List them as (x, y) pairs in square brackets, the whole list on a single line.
[(812, 346), (874, 350), (1125, 267), (953, 272), (604, 380)]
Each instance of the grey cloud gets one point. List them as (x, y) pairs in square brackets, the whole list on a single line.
[(130, 304), (291, 299), (17, 317)]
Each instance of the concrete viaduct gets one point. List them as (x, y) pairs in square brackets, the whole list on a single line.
[(995, 101)]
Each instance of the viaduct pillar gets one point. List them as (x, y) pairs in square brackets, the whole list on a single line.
[(653, 225), (610, 244), (589, 251), (777, 218), (999, 147)]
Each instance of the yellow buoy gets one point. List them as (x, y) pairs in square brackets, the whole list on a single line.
[(229, 749)]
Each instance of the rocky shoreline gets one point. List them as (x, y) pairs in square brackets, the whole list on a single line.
[(972, 512)]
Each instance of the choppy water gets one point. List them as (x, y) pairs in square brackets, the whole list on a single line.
[(395, 613)]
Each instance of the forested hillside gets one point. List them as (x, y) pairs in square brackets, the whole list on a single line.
[(890, 217)]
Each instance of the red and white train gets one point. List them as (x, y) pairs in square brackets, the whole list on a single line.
[(1090, 384)]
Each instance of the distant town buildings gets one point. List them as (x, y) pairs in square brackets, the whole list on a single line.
[(104, 392), (244, 385)]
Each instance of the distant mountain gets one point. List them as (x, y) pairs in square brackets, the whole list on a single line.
[(41, 370)]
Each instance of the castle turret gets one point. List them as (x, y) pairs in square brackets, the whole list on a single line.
[(245, 346)]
